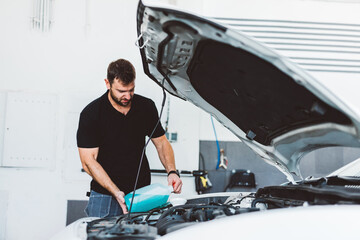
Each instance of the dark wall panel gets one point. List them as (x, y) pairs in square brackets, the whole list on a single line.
[(240, 157), (75, 210), (318, 163)]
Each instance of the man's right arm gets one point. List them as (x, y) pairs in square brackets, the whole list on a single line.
[(88, 158)]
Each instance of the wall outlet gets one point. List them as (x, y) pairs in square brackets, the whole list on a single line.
[(172, 137)]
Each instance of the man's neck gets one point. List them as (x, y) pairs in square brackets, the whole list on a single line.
[(123, 109)]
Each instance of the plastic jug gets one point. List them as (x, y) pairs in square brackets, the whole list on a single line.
[(148, 197)]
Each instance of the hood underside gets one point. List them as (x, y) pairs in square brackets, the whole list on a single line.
[(271, 104)]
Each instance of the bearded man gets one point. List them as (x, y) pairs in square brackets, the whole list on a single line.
[(111, 137)]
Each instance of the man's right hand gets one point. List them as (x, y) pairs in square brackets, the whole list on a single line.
[(88, 158), (120, 198)]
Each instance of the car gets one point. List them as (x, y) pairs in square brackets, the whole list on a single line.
[(274, 107)]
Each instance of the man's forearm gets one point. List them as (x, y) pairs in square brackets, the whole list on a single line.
[(166, 155), (97, 172), (94, 169)]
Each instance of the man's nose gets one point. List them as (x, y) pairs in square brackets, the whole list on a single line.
[(127, 95)]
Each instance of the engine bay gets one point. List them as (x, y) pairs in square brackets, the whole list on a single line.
[(207, 207)]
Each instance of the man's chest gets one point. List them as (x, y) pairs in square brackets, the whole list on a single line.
[(120, 128)]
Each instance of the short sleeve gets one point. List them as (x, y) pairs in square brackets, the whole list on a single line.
[(87, 134), (153, 119)]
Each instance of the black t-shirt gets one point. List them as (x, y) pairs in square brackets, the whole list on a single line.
[(120, 139)]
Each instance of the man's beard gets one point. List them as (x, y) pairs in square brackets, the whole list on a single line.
[(118, 101)]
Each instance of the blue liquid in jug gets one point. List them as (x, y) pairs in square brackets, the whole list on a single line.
[(149, 197), (147, 202)]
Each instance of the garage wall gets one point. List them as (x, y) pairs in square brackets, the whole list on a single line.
[(66, 64), (4, 198), (317, 164), (46, 79), (239, 156)]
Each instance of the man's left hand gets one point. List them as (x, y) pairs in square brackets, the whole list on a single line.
[(175, 182)]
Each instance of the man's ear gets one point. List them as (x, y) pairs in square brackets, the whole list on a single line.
[(108, 85)]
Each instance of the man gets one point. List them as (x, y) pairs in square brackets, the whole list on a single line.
[(111, 137)]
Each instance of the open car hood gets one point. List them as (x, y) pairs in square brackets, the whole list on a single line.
[(270, 103)]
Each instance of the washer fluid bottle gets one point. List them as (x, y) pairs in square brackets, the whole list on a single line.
[(148, 197)]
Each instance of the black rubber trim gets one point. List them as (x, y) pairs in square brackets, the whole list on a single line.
[(140, 14), (165, 42), (310, 193), (179, 14)]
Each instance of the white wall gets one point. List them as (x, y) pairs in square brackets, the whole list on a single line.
[(70, 62), (337, 11)]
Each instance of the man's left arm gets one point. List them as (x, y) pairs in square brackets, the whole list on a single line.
[(166, 155)]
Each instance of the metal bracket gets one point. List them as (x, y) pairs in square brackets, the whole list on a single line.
[(137, 42)]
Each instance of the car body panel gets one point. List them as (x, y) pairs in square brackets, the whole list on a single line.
[(75, 230), (275, 107), (337, 222)]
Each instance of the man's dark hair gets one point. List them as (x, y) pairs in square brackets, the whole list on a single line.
[(121, 69)]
